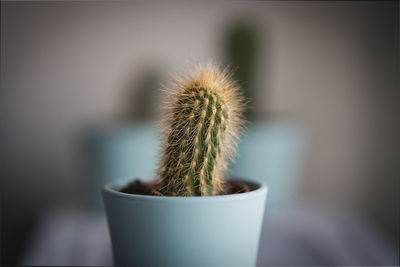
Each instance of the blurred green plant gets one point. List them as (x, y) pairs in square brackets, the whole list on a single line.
[(142, 93), (242, 44)]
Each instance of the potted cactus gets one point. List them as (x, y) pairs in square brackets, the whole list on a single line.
[(190, 215)]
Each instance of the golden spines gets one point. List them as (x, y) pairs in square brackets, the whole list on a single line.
[(201, 125)]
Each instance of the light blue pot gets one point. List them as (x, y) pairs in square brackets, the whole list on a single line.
[(184, 231), (120, 151), (270, 153)]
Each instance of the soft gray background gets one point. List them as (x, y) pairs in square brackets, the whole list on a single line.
[(331, 67)]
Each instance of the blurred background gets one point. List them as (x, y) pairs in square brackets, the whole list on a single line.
[(80, 99)]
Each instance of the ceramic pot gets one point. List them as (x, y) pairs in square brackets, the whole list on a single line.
[(184, 231)]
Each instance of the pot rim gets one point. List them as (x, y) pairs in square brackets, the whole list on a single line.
[(111, 189)]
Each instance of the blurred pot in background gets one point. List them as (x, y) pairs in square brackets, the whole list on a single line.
[(118, 151)]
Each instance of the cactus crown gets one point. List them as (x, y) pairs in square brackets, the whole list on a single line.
[(202, 120)]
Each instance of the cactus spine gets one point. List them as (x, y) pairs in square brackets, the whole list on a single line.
[(203, 116)]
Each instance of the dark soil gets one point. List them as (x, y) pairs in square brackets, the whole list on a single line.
[(149, 188)]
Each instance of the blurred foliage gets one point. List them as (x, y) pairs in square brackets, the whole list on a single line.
[(242, 44), (142, 96)]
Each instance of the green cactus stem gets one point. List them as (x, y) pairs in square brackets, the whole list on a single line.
[(203, 116)]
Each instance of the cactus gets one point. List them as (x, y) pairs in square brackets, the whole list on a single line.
[(202, 120)]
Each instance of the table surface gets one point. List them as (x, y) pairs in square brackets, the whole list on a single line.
[(303, 236)]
